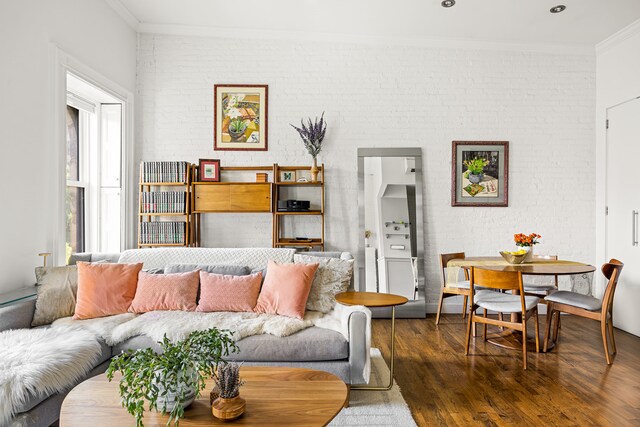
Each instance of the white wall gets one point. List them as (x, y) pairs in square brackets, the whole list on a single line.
[(95, 35), (391, 97)]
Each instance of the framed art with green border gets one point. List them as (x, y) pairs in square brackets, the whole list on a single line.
[(240, 117), (480, 173)]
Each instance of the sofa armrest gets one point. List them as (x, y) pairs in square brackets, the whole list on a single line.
[(18, 315), (359, 326)]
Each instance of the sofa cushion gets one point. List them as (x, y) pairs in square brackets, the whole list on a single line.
[(220, 292), (332, 277), (177, 291), (105, 289), (309, 345), (286, 289), (56, 288), (229, 270)]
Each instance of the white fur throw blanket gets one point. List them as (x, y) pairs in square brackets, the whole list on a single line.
[(41, 362), (177, 325)]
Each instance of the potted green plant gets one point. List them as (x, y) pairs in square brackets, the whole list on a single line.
[(173, 378), (228, 405), (475, 169), (312, 136), (237, 127)]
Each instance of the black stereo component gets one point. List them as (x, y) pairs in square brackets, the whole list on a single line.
[(293, 205)]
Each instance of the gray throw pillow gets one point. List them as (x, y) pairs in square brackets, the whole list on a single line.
[(332, 277), (57, 288), (230, 270)]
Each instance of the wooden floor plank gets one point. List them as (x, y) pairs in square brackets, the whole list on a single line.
[(569, 386)]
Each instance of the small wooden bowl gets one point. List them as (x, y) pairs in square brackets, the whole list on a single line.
[(513, 259)]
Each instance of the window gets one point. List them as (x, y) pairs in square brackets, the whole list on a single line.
[(93, 216)]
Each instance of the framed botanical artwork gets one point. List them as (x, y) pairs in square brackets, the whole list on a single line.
[(287, 176), (209, 170), (480, 173), (240, 117)]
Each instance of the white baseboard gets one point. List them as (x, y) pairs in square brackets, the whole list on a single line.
[(456, 307)]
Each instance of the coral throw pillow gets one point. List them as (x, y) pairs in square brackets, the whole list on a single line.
[(105, 289), (220, 292), (286, 289), (177, 291)]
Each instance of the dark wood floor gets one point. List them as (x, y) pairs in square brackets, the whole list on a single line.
[(570, 386)]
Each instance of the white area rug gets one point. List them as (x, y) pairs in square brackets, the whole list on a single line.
[(376, 408)]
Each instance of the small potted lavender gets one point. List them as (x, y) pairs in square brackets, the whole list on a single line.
[(228, 405), (312, 135)]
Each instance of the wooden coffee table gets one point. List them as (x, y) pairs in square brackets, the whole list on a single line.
[(275, 396)]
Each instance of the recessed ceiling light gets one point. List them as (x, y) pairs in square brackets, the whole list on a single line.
[(448, 3), (557, 9)]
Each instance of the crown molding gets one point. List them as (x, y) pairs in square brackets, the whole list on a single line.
[(286, 35), (618, 37), (124, 13)]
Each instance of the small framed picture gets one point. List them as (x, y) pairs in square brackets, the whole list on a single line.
[(287, 176), (209, 170)]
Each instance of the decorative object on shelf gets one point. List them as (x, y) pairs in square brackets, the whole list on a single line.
[(312, 136), (228, 405), (240, 117), (287, 176), (209, 170), (480, 173), (262, 177), (526, 243), (173, 379)]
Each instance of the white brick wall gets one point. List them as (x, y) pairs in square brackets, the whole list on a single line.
[(391, 97)]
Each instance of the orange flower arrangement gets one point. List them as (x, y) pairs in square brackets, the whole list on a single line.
[(524, 240)]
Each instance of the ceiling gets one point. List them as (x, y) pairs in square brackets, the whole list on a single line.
[(584, 22)]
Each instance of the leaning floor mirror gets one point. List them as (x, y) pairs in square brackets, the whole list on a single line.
[(391, 246)]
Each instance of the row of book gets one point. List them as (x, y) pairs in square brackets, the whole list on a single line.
[(163, 202), (162, 232), (163, 171)]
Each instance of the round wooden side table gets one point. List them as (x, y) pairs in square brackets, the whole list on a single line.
[(374, 299)]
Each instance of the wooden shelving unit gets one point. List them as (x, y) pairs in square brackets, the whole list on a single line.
[(145, 217), (280, 239), (255, 197)]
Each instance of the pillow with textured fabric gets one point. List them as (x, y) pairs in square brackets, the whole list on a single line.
[(333, 276), (219, 292), (177, 291), (105, 289), (56, 288), (285, 289), (229, 270)]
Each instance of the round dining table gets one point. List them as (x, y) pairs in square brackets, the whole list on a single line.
[(537, 267)]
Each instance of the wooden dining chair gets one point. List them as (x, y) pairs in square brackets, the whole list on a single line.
[(488, 299), (452, 289), (587, 306)]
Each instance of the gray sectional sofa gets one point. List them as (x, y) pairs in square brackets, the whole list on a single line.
[(314, 347)]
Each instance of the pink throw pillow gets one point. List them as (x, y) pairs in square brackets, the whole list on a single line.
[(177, 291), (286, 289), (220, 292), (105, 289)]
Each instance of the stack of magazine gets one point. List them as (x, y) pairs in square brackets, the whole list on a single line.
[(163, 202), (163, 171), (162, 232)]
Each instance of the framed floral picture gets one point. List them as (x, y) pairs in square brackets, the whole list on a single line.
[(209, 170), (240, 117), (480, 173)]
